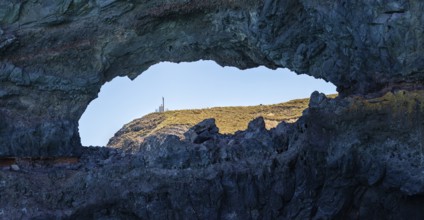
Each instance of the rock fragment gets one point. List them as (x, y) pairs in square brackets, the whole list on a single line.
[(14, 167), (202, 132)]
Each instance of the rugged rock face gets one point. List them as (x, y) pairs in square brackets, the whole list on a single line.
[(55, 55), (202, 132), (359, 156), (321, 167)]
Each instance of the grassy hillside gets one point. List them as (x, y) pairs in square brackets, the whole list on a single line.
[(228, 120)]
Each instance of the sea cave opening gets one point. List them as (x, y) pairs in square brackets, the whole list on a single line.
[(195, 85)]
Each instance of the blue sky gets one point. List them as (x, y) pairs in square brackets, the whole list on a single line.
[(194, 85)]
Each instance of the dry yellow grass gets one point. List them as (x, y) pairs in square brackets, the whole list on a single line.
[(232, 119), (228, 119)]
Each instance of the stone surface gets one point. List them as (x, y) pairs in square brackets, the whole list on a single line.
[(14, 167), (202, 132), (321, 167), (55, 55), (359, 156)]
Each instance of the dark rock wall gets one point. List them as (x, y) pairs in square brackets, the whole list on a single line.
[(321, 167), (55, 55), (359, 156)]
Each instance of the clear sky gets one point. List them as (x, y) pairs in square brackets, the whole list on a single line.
[(194, 85)]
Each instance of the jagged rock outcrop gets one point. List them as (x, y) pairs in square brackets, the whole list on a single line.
[(321, 167), (202, 132), (55, 55), (359, 156)]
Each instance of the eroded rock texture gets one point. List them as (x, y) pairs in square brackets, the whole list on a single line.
[(55, 55), (359, 156), (321, 167)]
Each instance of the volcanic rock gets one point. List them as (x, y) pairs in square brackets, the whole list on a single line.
[(56, 55), (321, 167), (359, 156), (202, 132), (14, 167)]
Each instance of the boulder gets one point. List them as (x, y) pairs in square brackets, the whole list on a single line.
[(203, 131)]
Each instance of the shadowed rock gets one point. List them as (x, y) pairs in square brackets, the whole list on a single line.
[(56, 55), (202, 132), (321, 167), (359, 156)]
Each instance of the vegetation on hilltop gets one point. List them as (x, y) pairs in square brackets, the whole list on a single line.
[(228, 120)]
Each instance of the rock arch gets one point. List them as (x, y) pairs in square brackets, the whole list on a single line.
[(55, 55)]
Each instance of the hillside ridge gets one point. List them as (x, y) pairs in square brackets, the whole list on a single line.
[(228, 119)]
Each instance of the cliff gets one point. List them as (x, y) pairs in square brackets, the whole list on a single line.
[(321, 167), (56, 55), (358, 156)]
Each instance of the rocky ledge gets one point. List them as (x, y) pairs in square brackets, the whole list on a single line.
[(321, 167)]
